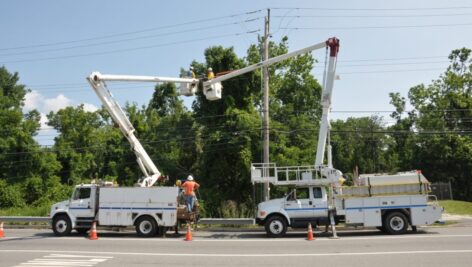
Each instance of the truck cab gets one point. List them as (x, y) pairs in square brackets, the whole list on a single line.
[(298, 208), (76, 213)]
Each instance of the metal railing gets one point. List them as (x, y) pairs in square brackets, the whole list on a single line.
[(220, 221)]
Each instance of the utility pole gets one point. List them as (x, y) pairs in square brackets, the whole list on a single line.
[(265, 106)]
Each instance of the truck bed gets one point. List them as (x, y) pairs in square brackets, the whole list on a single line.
[(120, 206)]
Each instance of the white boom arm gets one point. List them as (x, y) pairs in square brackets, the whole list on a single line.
[(97, 81), (215, 84), (326, 96), (212, 88)]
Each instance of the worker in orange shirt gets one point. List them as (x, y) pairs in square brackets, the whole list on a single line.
[(189, 192)]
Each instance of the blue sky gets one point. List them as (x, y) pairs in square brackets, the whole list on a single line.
[(385, 45)]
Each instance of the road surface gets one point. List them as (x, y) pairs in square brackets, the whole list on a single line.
[(434, 246)]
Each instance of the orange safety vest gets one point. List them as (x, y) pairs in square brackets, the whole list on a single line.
[(189, 186)]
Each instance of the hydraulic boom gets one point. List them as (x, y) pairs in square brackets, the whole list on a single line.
[(97, 81)]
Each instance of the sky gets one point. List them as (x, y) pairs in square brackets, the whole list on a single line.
[(386, 46)]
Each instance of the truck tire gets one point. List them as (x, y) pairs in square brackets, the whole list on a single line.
[(395, 223), (276, 226), (146, 226), (61, 225)]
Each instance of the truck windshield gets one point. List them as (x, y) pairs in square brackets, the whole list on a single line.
[(82, 193)]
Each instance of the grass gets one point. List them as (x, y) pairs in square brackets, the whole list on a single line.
[(457, 207), (26, 211)]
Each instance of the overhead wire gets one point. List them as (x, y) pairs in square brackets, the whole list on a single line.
[(128, 39), (373, 16), (133, 49), (378, 27), (135, 32), (376, 9)]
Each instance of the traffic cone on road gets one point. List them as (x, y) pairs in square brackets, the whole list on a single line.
[(2, 234), (188, 236), (310, 233), (93, 232)]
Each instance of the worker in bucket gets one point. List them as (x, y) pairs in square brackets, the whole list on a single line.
[(191, 73), (189, 192), (210, 74)]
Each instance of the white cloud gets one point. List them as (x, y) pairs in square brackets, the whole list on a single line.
[(33, 100), (43, 121), (89, 107), (57, 103)]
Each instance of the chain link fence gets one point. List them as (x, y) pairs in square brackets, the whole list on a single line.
[(443, 191)]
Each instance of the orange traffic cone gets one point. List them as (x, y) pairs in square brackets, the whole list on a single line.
[(310, 233), (188, 236), (93, 232), (2, 234)]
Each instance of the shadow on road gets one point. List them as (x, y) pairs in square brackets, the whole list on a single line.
[(211, 235)]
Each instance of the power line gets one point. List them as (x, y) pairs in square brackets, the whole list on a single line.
[(390, 71), (390, 64), (377, 27), (392, 59), (134, 32), (229, 146), (135, 48), (374, 16), (128, 39), (373, 9), (98, 147)]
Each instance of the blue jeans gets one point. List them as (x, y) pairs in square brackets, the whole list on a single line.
[(189, 201)]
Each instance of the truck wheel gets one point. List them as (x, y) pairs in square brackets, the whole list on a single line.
[(61, 225), (395, 223), (276, 226), (146, 226)]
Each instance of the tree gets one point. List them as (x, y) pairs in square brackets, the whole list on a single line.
[(88, 146), (361, 143), (441, 112), (20, 154), (229, 130)]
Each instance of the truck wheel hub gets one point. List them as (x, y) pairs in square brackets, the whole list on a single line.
[(145, 227), (276, 227), (61, 226), (397, 223)]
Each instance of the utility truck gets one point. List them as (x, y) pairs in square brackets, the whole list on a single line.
[(388, 202), (152, 210)]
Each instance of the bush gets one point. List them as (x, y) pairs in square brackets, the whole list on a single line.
[(231, 209), (10, 196)]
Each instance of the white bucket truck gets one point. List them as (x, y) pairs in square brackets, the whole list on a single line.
[(152, 210), (389, 202)]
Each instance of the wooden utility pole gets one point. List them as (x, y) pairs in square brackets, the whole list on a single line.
[(265, 106)]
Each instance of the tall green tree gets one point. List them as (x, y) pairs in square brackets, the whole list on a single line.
[(442, 112), (21, 157)]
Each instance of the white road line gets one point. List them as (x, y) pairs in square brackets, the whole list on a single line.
[(250, 255), (289, 239), (76, 256), (56, 260)]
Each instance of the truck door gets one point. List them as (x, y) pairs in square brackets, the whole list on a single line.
[(297, 204), (319, 202), (82, 203)]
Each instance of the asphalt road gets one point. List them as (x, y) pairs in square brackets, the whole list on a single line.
[(439, 246)]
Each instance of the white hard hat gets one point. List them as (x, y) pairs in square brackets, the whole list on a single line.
[(210, 69), (190, 178), (191, 67)]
